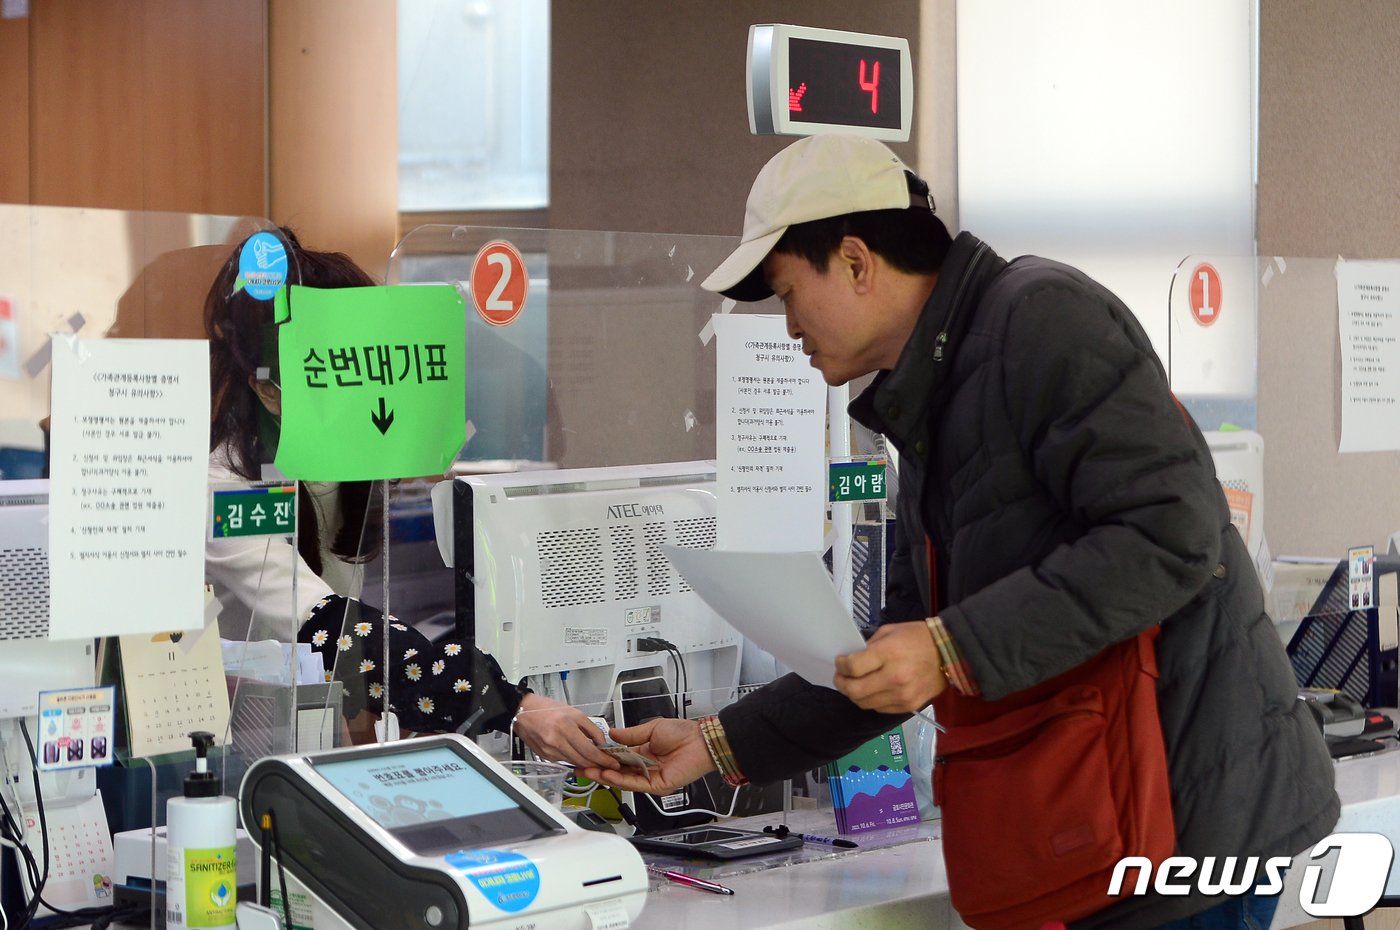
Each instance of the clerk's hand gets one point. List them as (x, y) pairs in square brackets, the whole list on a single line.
[(898, 672), (676, 744), (561, 733)]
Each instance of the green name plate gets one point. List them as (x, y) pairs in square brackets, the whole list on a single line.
[(266, 511), (856, 481)]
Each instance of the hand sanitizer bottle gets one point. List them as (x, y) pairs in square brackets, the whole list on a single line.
[(201, 849)]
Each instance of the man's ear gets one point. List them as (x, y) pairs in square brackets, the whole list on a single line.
[(857, 262), (269, 393)]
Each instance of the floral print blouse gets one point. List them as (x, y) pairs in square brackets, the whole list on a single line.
[(431, 686)]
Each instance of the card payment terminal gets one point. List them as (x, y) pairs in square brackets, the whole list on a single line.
[(430, 834)]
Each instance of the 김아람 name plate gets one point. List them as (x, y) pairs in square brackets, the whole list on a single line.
[(856, 481)]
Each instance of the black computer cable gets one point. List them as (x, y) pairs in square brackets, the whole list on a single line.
[(39, 877), (281, 871), (82, 914), (622, 809), (681, 685)]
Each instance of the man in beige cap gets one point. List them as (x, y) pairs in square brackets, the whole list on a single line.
[(1058, 507)]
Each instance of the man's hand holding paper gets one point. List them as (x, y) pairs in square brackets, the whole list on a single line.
[(899, 671)]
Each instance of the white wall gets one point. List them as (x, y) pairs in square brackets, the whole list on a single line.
[(1117, 137)]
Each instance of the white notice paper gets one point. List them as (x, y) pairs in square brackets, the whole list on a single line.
[(128, 479), (770, 437), (783, 601), (1368, 324)]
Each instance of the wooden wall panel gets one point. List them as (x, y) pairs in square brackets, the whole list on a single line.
[(85, 99), (149, 104), (14, 110), (205, 110), (334, 125)]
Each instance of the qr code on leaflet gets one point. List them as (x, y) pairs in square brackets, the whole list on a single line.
[(896, 744)]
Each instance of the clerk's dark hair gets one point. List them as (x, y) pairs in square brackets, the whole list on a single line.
[(242, 338), (913, 240)]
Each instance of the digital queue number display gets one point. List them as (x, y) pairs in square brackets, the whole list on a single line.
[(804, 81)]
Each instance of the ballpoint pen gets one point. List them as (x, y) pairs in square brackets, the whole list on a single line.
[(783, 830), (827, 840), (690, 881)]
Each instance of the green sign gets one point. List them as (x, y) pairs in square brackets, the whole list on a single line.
[(264, 511), (373, 381), (856, 481)]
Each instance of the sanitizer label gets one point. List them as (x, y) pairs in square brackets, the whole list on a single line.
[(210, 878)]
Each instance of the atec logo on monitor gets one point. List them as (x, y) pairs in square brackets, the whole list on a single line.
[(1357, 877), (623, 511)]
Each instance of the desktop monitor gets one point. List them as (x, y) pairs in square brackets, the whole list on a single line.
[(561, 572), (29, 661)]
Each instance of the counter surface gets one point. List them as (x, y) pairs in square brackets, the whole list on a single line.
[(896, 879)]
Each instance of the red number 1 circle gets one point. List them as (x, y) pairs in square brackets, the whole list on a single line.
[(499, 283), (1205, 294)]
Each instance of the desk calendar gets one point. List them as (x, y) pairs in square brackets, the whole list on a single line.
[(172, 685), (81, 860)]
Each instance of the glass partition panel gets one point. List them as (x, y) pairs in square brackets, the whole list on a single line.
[(608, 363), (132, 275), (1212, 341), (1320, 500), (599, 394), (95, 273)]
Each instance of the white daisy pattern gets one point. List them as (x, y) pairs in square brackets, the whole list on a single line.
[(431, 679)]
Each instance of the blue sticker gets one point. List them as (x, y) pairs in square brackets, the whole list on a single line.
[(262, 265), (507, 880)]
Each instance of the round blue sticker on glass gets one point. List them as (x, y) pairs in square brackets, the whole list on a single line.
[(507, 880), (262, 265)]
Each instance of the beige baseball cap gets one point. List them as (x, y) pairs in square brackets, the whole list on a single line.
[(814, 178)]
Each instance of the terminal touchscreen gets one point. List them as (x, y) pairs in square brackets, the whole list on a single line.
[(435, 799)]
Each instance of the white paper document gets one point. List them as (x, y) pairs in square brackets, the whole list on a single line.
[(783, 601), (770, 433), (128, 483), (1368, 324)]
